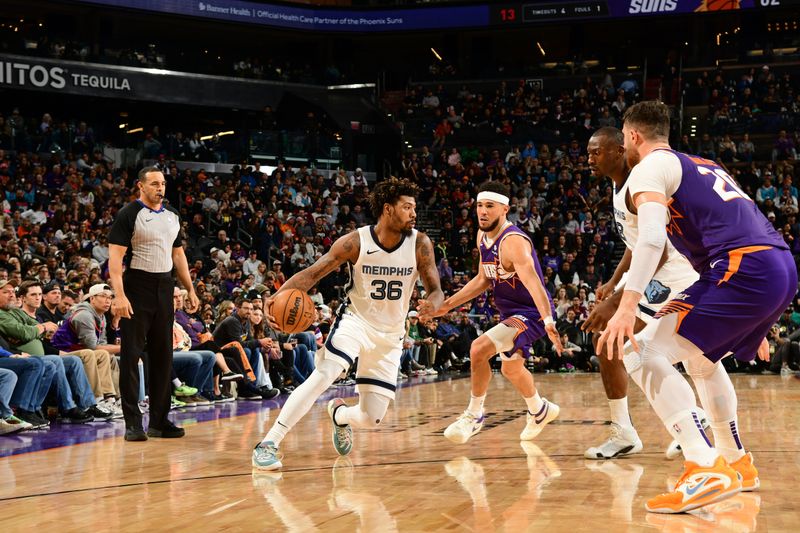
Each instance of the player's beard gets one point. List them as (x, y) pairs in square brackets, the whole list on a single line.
[(407, 230), (490, 227)]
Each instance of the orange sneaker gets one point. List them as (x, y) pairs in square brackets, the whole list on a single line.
[(698, 486), (744, 466)]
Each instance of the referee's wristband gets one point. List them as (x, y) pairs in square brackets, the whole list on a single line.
[(548, 320)]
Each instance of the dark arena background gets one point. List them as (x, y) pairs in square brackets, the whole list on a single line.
[(272, 123)]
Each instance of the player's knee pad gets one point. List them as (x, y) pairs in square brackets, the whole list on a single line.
[(373, 408)]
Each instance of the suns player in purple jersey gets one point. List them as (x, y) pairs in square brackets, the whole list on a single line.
[(747, 279), (510, 268)]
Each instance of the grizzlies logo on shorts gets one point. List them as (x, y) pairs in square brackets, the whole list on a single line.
[(656, 292)]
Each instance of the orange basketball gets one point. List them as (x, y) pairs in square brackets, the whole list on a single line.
[(293, 311)]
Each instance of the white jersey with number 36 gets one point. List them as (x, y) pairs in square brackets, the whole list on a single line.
[(381, 281)]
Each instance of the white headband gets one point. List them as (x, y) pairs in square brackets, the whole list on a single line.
[(493, 196)]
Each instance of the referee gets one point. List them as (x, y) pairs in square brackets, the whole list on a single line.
[(146, 234)]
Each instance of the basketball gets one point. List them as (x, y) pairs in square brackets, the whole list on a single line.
[(293, 311)]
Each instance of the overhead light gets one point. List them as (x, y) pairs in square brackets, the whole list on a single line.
[(136, 130), (220, 134), (539, 45), (435, 53), (123, 126), (352, 86)]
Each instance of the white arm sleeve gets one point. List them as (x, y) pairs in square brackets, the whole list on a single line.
[(653, 219)]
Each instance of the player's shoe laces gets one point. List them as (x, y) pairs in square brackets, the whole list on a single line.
[(342, 435), (623, 441), (265, 456), (465, 427), (749, 473), (536, 422), (674, 449), (698, 486)]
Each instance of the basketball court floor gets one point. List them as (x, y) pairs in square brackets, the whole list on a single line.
[(404, 476)]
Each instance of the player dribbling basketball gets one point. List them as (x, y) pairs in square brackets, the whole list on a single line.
[(385, 261)]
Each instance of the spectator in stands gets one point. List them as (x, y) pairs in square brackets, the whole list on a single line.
[(32, 381), (49, 311), (236, 329), (784, 148), (83, 333), (706, 148), (727, 149), (8, 422), (69, 377), (746, 149), (767, 191)]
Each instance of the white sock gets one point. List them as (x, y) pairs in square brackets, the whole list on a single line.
[(176, 382), (276, 433), (685, 427), (302, 399), (619, 412), (476, 405), (535, 403), (727, 441)]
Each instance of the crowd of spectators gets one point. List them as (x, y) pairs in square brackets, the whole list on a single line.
[(513, 113)]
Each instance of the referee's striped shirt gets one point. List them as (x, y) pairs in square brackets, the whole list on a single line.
[(149, 236)]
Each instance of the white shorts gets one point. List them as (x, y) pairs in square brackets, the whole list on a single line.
[(657, 294), (378, 353)]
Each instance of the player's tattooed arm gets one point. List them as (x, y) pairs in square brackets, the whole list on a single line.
[(426, 266), (345, 249)]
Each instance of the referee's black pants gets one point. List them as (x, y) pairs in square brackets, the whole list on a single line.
[(149, 328)]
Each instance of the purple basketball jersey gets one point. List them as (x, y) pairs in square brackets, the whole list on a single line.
[(710, 215), (511, 297)]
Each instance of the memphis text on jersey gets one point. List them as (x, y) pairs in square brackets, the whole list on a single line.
[(379, 270)]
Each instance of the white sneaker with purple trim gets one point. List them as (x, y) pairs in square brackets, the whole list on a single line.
[(537, 422), (465, 427)]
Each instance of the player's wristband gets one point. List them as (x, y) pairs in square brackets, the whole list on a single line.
[(548, 320)]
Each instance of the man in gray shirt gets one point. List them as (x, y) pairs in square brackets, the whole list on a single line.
[(84, 329)]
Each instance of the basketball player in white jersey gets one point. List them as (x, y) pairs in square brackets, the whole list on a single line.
[(675, 273), (385, 261)]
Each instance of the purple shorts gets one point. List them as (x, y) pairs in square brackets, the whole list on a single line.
[(530, 328), (731, 308)]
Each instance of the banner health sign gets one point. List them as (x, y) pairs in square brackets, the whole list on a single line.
[(425, 18), (89, 79)]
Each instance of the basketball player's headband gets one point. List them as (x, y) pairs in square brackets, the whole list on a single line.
[(493, 196)]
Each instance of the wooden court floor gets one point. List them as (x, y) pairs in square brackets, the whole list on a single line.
[(405, 476)]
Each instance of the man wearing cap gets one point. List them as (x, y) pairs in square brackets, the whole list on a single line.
[(250, 265), (83, 333), (146, 232), (49, 310)]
